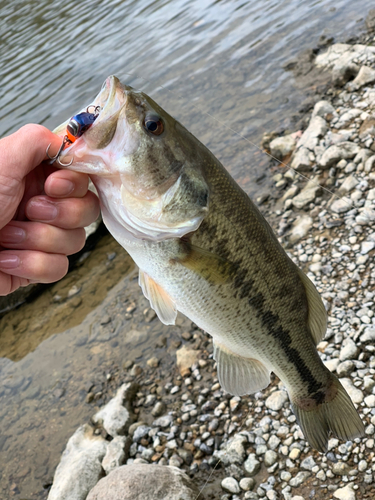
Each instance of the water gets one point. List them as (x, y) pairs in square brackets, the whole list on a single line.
[(224, 58)]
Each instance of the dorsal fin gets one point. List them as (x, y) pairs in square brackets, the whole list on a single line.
[(160, 301)]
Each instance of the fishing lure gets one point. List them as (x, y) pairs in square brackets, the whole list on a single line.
[(76, 127)]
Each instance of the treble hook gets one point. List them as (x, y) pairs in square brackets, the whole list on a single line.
[(57, 155)]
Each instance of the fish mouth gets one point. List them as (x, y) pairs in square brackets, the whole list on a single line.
[(109, 101)]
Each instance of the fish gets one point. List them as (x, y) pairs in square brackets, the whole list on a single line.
[(204, 249)]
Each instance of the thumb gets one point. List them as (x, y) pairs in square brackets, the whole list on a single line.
[(22, 151)]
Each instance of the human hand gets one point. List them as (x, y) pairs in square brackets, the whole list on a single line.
[(42, 210)]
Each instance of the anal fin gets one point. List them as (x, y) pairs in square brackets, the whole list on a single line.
[(160, 301), (238, 375)]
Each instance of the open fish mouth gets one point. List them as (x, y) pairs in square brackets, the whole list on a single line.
[(109, 100)]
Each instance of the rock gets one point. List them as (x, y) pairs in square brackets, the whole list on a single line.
[(114, 416), (234, 451), (80, 466), (252, 465), (308, 193), (366, 217), (367, 246), (356, 395), (247, 483), (299, 479), (368, 335), (345, 368), (163, 422), (140, 432), (348, 185), (344, 150), (348, 117), (316, 129), (367, 129), (230, 485), (185, 359), (145, 482), (153, 362), (344, 72), (322, 109), (342, 205), (308, 463), (346, 493), (302, 160), (276, 400), (270, 457), (158, 409), (365, 75), (340, 469), (116, 455), (349, 351), (283, 146), (301, 227), (370, 164)]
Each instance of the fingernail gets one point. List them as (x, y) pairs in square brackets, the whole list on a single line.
[(12, 234), (61, 187), (41, 210), (9, 261)]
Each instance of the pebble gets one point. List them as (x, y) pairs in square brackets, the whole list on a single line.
[(252, 465), (346, 493), (230, 485), (276, 400)]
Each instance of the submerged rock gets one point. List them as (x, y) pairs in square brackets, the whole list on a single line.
[(80, 466), (145, 482)]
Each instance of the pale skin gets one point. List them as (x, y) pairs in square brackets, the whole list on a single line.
[(43, 210)]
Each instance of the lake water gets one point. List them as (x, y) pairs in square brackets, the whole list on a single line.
[(196, 58)]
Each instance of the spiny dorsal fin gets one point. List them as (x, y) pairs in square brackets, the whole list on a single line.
[(238, 375), (160, 301), (317, 319)]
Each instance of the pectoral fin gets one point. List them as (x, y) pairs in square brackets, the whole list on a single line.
[(209, 266), (238, 375), (317, 318), (160, 301)]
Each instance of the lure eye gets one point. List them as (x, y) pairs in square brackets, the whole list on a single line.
[(154, 125), (73, 128)]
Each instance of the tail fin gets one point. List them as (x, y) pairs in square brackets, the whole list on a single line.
[(336, 414)]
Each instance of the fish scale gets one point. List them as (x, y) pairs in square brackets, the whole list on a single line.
[(204, 249)]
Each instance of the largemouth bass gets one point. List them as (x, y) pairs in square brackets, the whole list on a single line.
[(204, 249)]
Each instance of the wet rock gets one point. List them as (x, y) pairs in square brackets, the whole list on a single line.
[(300, 229), (185, 359), (344, 150), (115, 416), (283, 146), (80, 466), (116, 455), (365, 76), (308, 194), (276, 400), (145, 482), (346, 493), (370, 20)]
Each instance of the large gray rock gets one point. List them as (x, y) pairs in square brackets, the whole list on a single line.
[(316, 129), (365, 76), (344, 150), (308, 193), (322, 109), (283, 146), (145, 482), (115, 416), (234, 451), (80, 466), (117, 453), (302, 159)]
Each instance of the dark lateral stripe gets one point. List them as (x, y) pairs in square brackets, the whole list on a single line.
[(271, 322)]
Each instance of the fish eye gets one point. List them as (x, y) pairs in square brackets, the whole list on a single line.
[(154, 125)]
